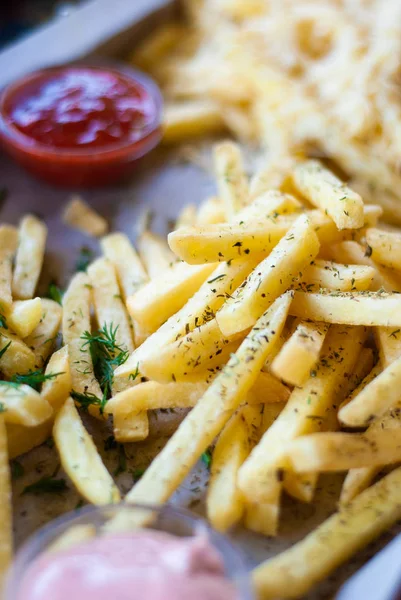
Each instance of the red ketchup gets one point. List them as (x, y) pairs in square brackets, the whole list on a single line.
[(80, 125)]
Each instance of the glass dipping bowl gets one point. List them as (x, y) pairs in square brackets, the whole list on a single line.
[(175, 521)]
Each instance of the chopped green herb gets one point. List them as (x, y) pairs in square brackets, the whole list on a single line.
[(134, 375), (4, 350), (85, 257), (55, 293), (3, 321), (47, 485), (34, 378), (88, 399), (17, 470), (394, 333), (137, 474), (217, 278), (49, 442), (206, 458), (368, 251)]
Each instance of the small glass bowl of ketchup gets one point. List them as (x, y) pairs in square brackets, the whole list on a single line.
[(80, 125)]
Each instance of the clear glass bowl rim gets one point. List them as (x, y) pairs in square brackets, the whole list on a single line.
[(37, 543)]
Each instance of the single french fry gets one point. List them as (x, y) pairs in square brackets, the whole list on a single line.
[(272, 175), (155, 254), (212, 412), (16, 356), (79, 215), (300, 353), (293, 573), (21, 439), (268, 205), (186, 217), (376, 397), (76, 320), (373, 373), (80, 458), (22, 405), (130, 271), (270, 278), (350, 252), (24, 316), (151, 395), (129, 428), (227, 241), (6, 520), (263, 517), (324, 190), (157, 300), (385, 247), (199, 309), (191, 352), (349, 308), (232, 182), (339, 451), (191, 119), (306, 411), (388, 341), (109, 308), (224, 501), (57, 389), (210, 211), (335, 276), (43, 338), (29, 258), (8, 247)]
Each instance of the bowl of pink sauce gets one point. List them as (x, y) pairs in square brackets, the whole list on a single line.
[(102, 553)]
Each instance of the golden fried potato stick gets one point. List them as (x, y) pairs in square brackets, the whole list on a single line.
[(32, 236), (80, 458), (212, 412), (8, 247), (294, 572), (324, 190), (6, 519)]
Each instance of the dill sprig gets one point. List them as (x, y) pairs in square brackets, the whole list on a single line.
[(34, 378), (55, 293), (5, 348), (3, 321), (106, 355)]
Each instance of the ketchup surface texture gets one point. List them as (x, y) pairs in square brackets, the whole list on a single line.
[(146, 565), (82, 108)]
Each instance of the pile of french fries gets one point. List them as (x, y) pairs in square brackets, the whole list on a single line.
[(274, 315)]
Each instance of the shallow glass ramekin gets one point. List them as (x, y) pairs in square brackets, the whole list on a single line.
[(169, 519)]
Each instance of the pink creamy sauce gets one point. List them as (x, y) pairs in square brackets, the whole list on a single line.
[(149, 565)]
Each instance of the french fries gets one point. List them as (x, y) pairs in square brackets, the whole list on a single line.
[(270, 278), (385, 247), (199, 309), (80, 458), (156, 301), (323, 189), (192, 119), (22, 405), (300, 353), (307, 410), (57, 386), (15, 355), (374, 399), (155, 254), (79, 215), (24, 316), (8, 247), (6, 529), (327, 451), (349, 308), (294, 572), (76, 320), (32, 236), (42, 340), (130, 271), (334, 276), (21, 439), (213, 410), (231, 179)]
